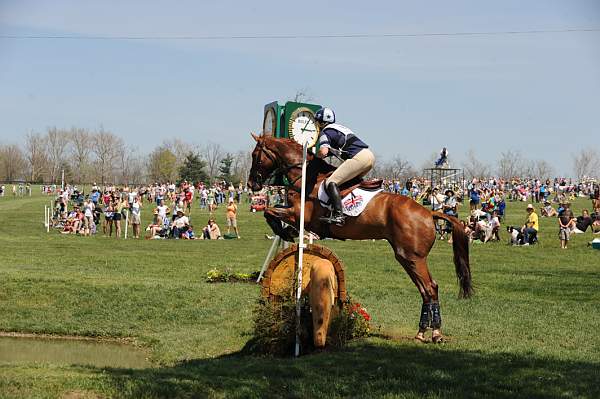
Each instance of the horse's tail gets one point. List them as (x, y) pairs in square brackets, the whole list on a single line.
[(460, 246)]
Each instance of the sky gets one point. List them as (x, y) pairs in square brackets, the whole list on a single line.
[(405, 96)]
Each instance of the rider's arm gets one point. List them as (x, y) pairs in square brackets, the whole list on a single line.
[(324, 145), (323, 152)]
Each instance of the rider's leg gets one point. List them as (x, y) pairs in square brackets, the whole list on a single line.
[(359, 165)]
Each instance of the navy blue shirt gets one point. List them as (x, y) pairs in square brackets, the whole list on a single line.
[(342, 139)]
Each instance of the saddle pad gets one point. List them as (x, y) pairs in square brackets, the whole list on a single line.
[(352, 204)]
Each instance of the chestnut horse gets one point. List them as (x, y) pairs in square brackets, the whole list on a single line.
[(406, 225)]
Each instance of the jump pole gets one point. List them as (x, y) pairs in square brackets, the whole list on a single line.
[(301, 247), (274, 246)]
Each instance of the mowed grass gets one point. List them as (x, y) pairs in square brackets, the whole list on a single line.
[(530, 330)]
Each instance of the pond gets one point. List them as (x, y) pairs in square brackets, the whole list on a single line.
[(19, 350)]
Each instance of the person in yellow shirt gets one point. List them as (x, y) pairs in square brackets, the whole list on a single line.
[(531, 227)]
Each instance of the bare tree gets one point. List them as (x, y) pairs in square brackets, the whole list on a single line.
[(510, 164), (473, 167), (400, 167), (56, 144), (125, 157), (543, 169), (106, 147), (303, 96), (81, 149), (136, 169), (586, 163), (397, 169), (35, 154), (12, 162), (242, 162), (213, 153), (429, 162)]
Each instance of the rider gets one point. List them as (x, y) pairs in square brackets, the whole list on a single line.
[(338, 140)]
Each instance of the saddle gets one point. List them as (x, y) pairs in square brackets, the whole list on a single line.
[(367, 185)]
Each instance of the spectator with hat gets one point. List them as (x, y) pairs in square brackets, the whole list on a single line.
[(547, 210), (232, 217), (180, 224), (531, 226)]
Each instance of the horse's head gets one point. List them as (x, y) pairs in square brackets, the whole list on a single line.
[(265, 160), (281, 156)]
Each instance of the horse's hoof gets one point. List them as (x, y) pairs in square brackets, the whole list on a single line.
[(437, 337), (421, 337)]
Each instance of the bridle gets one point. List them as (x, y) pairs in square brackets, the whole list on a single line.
[(280, 168)]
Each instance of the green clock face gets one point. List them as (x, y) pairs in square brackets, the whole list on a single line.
[(303, 128), (269, 122)]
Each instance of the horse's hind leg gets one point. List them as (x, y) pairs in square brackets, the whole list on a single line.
[(428, 288)]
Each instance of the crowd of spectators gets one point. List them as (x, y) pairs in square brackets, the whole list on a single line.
[(109, 208), (487, 200)]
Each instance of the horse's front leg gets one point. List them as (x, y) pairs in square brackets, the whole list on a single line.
[(275, 218)]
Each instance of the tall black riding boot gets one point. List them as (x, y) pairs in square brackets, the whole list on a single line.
[(337, 215)]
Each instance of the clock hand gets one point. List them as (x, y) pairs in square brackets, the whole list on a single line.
[(304, 128)]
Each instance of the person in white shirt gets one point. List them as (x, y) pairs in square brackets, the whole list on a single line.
[(88, 216), (437, 200), (163, 210), (180, 224), (136, 220)]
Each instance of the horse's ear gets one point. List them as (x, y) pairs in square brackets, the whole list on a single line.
[(254, 136)]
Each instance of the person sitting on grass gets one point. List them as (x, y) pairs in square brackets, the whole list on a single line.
[(212, 230), (531, 226), (547, 210), (180, 224), (74, 221), (156, 226), (189, 234)]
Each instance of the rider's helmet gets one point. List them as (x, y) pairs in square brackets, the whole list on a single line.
[(325, 115)]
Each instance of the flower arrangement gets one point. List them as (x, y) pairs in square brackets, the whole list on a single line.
[(229, 276), (353, 321)]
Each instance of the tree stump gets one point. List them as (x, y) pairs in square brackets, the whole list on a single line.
[(280, 277)]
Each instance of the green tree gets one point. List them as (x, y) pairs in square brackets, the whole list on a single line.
[(225, 168), (162, 165), (193, 169)]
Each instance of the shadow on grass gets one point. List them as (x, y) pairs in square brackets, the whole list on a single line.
[(370, 369)]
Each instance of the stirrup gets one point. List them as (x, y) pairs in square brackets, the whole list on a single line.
[(338, 220)]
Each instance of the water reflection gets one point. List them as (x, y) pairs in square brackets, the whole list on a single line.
[(71, 352)]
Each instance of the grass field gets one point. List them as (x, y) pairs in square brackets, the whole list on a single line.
[(530, 330)]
